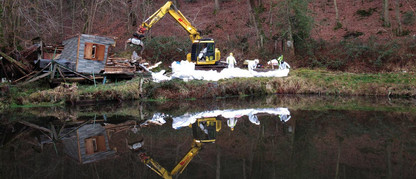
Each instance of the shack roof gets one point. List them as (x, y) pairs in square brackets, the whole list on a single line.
[(101, 39)]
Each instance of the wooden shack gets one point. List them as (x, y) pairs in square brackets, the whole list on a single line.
[(88, 144), (89, 52)]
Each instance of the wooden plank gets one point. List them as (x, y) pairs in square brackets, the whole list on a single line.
[(101, 143), (79, 74), (79, 148), (53, 71), (47, 66), (76, 64), (88, 50), (89, 146), (62, 75), (37, 78), (31, 73), (100, 52), (13, 61)]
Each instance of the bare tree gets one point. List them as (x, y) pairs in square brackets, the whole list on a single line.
[(386, 19), (399, 22), (338, 23), (255, 23), (289, 42), (217, 5)]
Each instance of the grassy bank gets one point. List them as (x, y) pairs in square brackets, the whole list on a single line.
[(300, 81)]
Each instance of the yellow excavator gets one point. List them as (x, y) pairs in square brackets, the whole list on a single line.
[(203, 50), (204, 131)]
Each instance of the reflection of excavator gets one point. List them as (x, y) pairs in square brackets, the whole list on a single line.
[(203, 51), (204, 131)]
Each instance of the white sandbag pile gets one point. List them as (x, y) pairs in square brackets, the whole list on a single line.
[(186, 71)]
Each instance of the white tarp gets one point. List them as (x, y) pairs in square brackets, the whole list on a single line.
[(190, 118), (186, 71)]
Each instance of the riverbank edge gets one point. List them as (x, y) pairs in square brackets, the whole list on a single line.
[(300, 81)]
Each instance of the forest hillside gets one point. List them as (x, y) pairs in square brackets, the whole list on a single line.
[(348, 35)]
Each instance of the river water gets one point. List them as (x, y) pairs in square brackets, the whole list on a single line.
[(250, 137)]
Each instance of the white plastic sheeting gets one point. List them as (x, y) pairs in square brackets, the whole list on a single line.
[(186, 71), (158, 118), (190, 118)]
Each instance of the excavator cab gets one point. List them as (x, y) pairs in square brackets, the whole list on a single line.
[(205, 129), (203, 52)]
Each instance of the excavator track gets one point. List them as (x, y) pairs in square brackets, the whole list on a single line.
[(218, 67)]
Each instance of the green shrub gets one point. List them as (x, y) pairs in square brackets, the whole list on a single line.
[(366, 13), (166, 49), (338, 26), (409, 18), (352, 34)]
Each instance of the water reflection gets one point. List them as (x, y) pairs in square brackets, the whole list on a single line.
[(278, 137), (232, 116)]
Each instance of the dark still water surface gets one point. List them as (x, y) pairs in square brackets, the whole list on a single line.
[(255, 137)]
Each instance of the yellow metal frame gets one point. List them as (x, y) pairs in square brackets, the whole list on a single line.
[(194, 35), (180, 167), (170, 8)]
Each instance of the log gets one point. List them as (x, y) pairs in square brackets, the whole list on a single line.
[(13, 61), (37, 78), (15, 81), (62, 75), (39, 72)]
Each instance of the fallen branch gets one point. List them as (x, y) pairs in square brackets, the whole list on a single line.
[(35, 126), (13, 61)]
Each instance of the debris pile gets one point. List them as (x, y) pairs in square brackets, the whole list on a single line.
[(119, 66)]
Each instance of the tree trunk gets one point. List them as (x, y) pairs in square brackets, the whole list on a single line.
[(336, 12), (254, 21), (217, 5), (176, 2), (62, 19), (72, 17), (289, 44), (386, 19), (399, 22)]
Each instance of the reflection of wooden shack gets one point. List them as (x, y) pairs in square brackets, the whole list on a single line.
[(88, 144), (89, 53)]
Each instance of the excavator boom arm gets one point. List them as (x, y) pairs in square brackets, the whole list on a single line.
[(157, 168), (170, 8)]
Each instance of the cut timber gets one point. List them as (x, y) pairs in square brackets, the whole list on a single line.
[(31, 73), (37, 78), (13, 61), (79, 74), (62, 75), (27, 80), (74, 79), (89, 145)]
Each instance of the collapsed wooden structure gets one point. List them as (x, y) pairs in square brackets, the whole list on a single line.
[(81, 58), (87, 144)]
